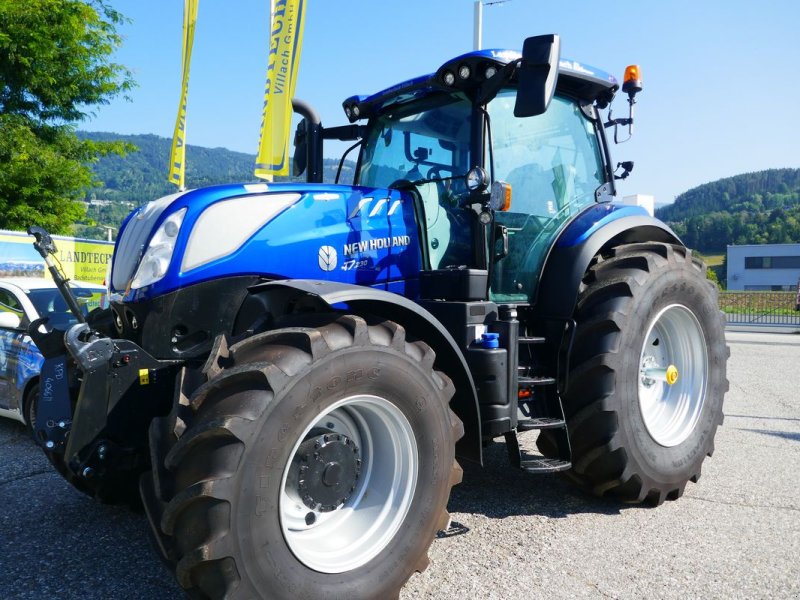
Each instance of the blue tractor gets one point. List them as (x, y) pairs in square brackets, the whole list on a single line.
[(289, 372)]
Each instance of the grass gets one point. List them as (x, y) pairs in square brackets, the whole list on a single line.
[(714, 260)]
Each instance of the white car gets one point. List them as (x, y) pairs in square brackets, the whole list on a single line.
[(22, 301)]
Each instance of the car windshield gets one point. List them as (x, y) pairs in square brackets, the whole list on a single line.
[(48, 302)]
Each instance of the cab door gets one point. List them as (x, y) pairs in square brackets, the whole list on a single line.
[(554, 165)]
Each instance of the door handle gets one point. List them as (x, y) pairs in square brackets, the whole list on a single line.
[(501, 232)]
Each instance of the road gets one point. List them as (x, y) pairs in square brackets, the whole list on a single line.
[(735, 534)]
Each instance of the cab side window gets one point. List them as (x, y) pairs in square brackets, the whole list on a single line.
[(552, 161)]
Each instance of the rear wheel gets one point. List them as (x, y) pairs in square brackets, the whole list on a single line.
[(647, 374), (313, 461)]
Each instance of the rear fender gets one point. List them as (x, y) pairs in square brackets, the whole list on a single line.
[(597, 230), (418, 322), (572, 254)]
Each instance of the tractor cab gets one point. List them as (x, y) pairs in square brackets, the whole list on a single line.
[(528, 122)]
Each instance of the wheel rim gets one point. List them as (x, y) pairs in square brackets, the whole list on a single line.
[(673, 375), (361, 465)]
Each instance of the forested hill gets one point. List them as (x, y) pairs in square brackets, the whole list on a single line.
[(752, 208), (141, 176)]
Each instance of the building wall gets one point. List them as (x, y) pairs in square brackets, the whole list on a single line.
[(764, 267), (645, 201)]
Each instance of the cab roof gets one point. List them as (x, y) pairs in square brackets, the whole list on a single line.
[(576, 79)]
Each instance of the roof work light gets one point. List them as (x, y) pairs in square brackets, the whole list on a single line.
[(632, 83)]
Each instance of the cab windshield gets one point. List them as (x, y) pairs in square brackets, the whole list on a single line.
[(422, 140), (427, 143)]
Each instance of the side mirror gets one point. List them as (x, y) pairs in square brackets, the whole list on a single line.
[(537, 75), (10, 320), (300, 158)]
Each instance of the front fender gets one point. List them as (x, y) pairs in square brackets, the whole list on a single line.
[(418, 322)]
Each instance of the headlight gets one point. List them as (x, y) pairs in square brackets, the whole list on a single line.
[(155, 262), (477, 180)]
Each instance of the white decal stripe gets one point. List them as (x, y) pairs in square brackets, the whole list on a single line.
[(395, 206), (378, 206), (361, 204)]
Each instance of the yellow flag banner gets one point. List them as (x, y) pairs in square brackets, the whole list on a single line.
[(177, 158), (286, 42)]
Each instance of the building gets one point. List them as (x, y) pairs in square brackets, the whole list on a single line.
[(645, 201), (764, 267)]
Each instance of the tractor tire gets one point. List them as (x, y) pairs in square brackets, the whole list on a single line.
[(312, 462), (647, 374)]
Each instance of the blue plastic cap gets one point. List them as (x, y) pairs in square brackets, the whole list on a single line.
[(490, 340)]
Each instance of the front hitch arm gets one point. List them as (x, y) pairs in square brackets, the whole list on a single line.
[(46, 248), (97, 392)]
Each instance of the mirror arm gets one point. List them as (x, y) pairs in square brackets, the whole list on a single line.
[(491, 87), (341, 160), (344, 133), (615, 123)]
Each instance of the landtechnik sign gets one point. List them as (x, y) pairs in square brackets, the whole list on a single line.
[(86, 260)]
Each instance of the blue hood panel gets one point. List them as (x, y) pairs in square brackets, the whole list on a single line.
[(348, 234)]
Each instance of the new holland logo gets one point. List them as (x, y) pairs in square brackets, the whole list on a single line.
[(327, 258)]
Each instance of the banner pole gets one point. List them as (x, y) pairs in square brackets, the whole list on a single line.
[(285, 46), (177, 159)]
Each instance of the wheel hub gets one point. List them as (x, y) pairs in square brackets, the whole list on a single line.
[(325, 471), (350, 484)]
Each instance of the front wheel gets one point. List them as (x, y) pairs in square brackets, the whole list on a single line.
[(316, 461), (647, 374)]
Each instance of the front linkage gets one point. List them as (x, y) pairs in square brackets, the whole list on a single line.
[(97, 397)]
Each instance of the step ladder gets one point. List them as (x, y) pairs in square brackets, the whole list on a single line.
[(539, 409)]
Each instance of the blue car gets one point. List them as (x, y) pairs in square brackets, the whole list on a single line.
[(23, 300)]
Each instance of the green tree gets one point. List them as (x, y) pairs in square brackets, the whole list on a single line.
[(712, 276), (54, 68)]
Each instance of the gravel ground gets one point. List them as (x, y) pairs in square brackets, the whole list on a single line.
[(736, 534)]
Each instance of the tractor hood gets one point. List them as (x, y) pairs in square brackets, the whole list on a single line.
[(359, 235)]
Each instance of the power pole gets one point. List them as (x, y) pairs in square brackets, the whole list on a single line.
[(478, 21), (478, 29)]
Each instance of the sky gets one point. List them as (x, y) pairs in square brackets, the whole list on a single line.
[(720, 76)]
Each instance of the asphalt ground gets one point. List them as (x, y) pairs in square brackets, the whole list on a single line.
[(735, 534)]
